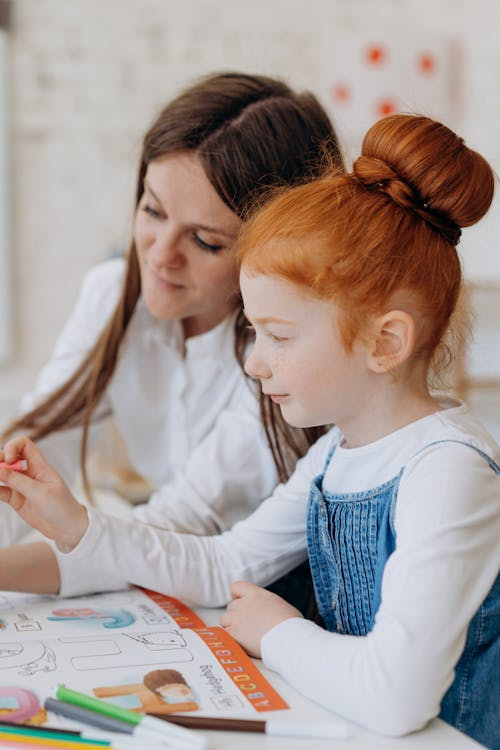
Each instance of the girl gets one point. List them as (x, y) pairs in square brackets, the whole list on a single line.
[(156, 342), (350, 283)]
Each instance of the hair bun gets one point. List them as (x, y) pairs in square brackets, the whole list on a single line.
[(378, 175), (424, 167)]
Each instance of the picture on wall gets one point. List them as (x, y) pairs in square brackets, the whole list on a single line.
[(369, 76)]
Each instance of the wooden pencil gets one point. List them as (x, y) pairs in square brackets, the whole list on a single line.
[(215, 722), (332, 729)]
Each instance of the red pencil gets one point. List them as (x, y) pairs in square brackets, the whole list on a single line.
[(21, 465)]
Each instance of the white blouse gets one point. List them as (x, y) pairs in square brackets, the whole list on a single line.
[(188, 416)]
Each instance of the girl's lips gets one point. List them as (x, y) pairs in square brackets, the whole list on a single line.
[(278, 398)]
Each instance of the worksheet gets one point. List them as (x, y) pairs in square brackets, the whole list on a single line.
[(135, 648)]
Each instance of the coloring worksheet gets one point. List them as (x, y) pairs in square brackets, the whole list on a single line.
[(135, 648)]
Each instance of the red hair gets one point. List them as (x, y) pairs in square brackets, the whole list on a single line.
[(389, 226)]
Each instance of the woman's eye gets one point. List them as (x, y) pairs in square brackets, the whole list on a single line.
[(206, 245), (147, 208)]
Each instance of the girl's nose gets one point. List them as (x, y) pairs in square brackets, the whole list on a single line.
[(255, 365)]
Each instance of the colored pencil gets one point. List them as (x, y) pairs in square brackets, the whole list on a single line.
[(106, 728), (273, 727), (21, 465), (144, 726), (41, 739), (39, 727), (86, 716)]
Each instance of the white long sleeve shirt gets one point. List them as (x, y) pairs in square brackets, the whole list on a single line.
[(188, 416), (447, 521)]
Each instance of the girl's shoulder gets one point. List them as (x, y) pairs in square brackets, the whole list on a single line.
[(456, 426)]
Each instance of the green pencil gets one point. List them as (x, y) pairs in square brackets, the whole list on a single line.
[(147, 727)]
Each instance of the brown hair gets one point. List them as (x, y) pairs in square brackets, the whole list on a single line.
[(159, 677), (389, 226), (250, 133)]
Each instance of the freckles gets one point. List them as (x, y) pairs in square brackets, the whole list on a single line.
[(312, 377), (279, 362)]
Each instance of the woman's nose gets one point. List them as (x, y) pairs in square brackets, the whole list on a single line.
[(167, 250)]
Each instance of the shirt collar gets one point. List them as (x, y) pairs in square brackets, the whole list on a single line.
[(218, 342)]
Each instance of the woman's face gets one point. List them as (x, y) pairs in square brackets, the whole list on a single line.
[(184, 235)]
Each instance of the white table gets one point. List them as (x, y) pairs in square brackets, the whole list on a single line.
[(436, 736)]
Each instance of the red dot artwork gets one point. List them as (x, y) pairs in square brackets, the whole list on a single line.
[(340, 92), (375, 54), (385, 107), (426, 63)]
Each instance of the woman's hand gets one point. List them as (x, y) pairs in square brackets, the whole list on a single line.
[(252, 613), (40, 496)]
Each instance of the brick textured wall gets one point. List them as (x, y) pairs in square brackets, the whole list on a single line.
[(87, 76)]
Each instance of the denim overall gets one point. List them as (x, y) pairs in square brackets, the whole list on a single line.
[(350, 537)]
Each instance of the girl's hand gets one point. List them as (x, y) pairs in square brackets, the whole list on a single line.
[(252, 613), (40, 496)]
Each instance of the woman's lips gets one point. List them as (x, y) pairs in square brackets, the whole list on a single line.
[(165, 283)]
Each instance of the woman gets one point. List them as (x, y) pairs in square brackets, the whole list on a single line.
[(157, 341)]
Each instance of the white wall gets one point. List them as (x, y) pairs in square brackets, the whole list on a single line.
[(87, 76)]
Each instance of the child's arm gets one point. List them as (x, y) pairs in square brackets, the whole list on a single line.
[(40, 497), (31, 568), (114, 552)]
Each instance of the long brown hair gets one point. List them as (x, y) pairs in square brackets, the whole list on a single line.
[(390, 226), (250, 132)]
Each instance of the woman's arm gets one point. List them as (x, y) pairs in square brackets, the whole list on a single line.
[(30, 568)]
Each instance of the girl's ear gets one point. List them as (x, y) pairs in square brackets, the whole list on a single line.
[(392, 341)]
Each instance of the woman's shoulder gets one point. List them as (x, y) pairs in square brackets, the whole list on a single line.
[(104, 277), (100, 290)]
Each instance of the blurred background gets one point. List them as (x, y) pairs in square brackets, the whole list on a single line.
[(80, 81)]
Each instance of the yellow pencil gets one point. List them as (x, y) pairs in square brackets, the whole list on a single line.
[(23, 738)]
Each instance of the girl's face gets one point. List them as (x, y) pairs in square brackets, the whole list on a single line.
[(184, 235), (298, 355)]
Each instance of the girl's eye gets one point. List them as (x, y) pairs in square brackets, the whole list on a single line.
[(147, 208), (206, 245), (278, 339)]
